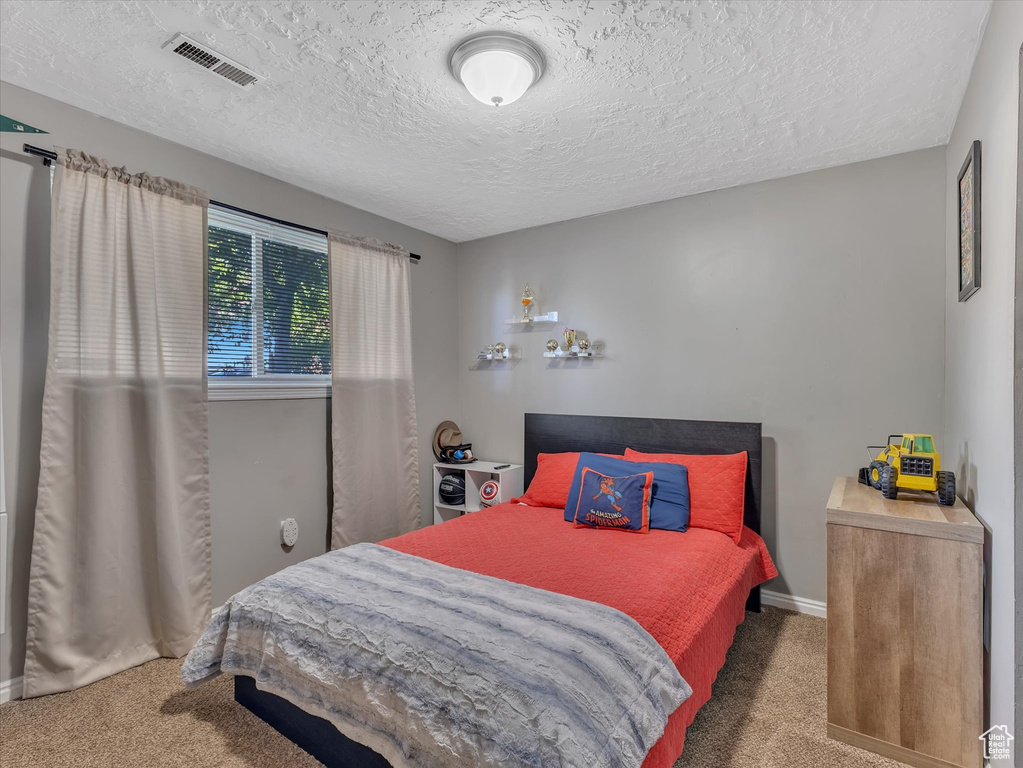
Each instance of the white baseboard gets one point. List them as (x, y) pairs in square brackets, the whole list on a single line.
[(792, 603), (10, 689)]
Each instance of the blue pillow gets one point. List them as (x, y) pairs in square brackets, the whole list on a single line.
[(669, 505), (616, 503)]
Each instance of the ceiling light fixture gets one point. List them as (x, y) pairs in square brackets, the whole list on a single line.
[(496, 68)]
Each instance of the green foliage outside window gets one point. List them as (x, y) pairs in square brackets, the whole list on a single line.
[(296, 310), (295, 306), (229, 286)]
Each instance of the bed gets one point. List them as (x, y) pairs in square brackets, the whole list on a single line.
[(688, 591)]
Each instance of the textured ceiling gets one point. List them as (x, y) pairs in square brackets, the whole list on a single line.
[(642, 101)]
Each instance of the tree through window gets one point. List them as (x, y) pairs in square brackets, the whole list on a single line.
[(269, 305)]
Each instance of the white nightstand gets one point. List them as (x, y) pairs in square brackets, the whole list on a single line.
[(508, 477)]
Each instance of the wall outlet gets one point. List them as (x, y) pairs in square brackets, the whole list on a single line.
[(289, 532)]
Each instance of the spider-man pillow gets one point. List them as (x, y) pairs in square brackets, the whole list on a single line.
[(617, 503), (669, 497)]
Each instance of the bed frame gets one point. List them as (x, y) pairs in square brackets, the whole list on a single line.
[(544, 433)]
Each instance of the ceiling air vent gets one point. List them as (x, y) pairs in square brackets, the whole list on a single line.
[(212, 61)]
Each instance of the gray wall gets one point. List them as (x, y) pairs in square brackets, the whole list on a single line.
[(979, 332), (268, 459), (810, 303), (1018, 396)]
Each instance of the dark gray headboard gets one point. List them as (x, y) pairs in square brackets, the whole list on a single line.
[(554, 433)]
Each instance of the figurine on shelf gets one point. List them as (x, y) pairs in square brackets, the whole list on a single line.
[(570, 339), (552, 345), (584, 346), (498, 351), (528, 300)]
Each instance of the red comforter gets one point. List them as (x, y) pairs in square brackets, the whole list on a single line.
[(688, 590)]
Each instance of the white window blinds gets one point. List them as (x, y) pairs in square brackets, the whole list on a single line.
[(269, 305)]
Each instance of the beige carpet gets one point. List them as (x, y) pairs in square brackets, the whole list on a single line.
[(768, 710)]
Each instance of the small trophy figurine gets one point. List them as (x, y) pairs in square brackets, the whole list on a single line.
[(570, 339), (528, 300)]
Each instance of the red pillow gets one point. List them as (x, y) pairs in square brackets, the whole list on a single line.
[(717, 488), (553, 478)]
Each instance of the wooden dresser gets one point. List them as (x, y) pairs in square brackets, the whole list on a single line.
[(905, 623)]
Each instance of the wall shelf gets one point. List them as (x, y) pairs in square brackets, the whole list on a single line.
[(485, 362), (493, 365), (548, 320), (573, 355), (495, 357), (562, 357)]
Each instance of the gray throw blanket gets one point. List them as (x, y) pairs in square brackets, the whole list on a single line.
[(434, 667)]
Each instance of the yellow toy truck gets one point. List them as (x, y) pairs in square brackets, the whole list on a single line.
[(909, 461)]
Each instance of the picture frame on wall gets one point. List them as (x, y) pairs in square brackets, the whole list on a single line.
[(968, 186)]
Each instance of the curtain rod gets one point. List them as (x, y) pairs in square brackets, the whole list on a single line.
[(49, 157)]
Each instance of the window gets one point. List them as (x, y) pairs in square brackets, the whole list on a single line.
[(924, 444), (269, 309)]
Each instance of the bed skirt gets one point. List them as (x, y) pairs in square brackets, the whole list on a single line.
[(313, 734)]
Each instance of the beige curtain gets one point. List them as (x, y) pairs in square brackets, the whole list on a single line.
[(376, 456), (120, 569)]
